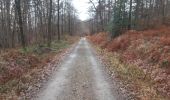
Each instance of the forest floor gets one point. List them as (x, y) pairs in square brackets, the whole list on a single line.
[(140, 60), (22, 73)]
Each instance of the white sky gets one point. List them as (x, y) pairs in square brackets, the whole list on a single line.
[(82, 8)]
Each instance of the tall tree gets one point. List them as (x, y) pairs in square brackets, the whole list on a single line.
[(20, 22), (58, 26), (130, 15), (49, 24)]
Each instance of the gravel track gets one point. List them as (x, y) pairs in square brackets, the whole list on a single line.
[(80, 77)]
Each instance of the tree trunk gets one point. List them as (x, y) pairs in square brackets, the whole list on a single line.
[(130, 16), (20, 23), (58, 26), (49, 24)]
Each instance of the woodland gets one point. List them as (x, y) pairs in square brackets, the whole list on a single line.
[(132, 38)]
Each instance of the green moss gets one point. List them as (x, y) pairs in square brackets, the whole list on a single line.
[(43, 48), (165, 64)]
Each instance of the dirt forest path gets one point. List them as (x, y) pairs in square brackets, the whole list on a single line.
[(79, 77)]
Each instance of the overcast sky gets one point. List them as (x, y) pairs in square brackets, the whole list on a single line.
[(82, 8)]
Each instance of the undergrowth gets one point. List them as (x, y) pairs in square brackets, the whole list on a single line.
[(133, 78), (19, 69), (141, 55)]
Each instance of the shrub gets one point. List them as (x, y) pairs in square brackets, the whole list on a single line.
[(165, 40), (119, 43)]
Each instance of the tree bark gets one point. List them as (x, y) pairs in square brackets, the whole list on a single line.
[(20, 22), (130, 16), (58, 26), (49, 24)]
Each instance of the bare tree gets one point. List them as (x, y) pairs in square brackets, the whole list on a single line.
[(58, 19), (20, 23)]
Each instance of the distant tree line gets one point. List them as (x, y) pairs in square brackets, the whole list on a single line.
[(117, 16), (26, 22)]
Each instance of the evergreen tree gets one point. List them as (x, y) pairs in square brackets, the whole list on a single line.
[(120, 18)]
